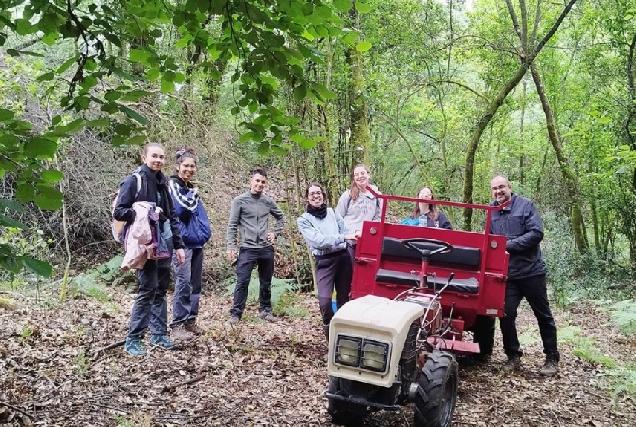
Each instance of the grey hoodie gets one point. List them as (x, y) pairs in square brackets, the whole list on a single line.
[(250, 216)]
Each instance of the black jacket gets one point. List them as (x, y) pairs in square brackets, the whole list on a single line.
[(521, 224), (154, 188)]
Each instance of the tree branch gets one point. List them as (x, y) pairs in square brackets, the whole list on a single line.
[(553, 29)]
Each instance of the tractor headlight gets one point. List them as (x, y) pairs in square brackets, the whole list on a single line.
[(348, 350), (375, 355)]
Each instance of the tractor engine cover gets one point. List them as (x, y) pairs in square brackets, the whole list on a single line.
[(433, 320)]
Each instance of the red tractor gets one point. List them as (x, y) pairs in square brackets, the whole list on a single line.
[(415, 291)]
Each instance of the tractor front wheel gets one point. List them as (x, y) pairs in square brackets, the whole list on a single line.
[(436, 391), (344, 413)]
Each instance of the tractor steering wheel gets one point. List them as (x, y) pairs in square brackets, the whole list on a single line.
[(439, 246)]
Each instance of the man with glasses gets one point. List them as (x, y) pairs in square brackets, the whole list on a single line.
[(249, 216), (521, 224)]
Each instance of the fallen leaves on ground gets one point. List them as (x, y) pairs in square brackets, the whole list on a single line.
[(263, 374)]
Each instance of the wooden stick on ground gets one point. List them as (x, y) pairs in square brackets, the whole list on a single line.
[(95, 353), (190, 381), (15, 408)]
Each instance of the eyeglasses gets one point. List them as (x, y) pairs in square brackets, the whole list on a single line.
[(315, 193)]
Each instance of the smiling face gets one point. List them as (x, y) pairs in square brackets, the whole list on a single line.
[(361, 176), (501, 189), (187, 168), (257, 183), (315, 196), (427, 194), (154, 157)]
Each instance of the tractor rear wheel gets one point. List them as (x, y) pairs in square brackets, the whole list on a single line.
[(344, 413), (436, 391)]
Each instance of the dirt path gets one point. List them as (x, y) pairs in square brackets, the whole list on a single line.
[(271, 375)]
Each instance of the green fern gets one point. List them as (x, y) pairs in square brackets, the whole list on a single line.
[(623, 313), (279, 288)]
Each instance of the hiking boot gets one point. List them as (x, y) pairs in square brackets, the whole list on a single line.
[(162, 341), (513, 364), (194, 328), (180, 333), (550, 367), (134, 347), (234, 320), (268, 317)]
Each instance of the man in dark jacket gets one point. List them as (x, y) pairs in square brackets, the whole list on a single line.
[(249, 216), (521, 224)]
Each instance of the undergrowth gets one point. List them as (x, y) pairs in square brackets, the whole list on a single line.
[(574, 276), (283, 295)]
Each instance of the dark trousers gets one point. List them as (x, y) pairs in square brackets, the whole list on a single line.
[(335, 269), (150, 307), (535, 292), (263, 258), (187, 287)]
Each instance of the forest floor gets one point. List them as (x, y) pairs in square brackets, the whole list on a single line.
[(259, 374)]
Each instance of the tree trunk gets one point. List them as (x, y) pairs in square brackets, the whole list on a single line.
[(476, 136), (569, 176), (359, 140)]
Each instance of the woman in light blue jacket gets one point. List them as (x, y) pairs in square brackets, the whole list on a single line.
[(327, 236)]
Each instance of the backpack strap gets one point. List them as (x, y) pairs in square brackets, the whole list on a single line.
[(138, 176)]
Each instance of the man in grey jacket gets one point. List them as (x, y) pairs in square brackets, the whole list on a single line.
[(521, 224), (249, 216)]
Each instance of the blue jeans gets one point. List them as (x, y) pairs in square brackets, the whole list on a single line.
[(187, 288), (150, 308), (263, 258)]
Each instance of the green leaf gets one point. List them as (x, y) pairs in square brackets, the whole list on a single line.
[(342, 5), (6, 115), (98, 123), (363, 46), (67, 64), (136, 140), (167, 86), (5, 221), (51, 176), (138, 55), (11, 204), (40, 147), (300, 92), (48, 198), (40, 268), (46, 77), (133, 115), (363, 7), (24, 192), (11, 263)]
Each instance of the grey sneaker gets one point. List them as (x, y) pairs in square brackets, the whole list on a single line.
[(180, 333), (550, 368), (134, 347), (234, 320), (513, 364), (162, 341), (268, 317)]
